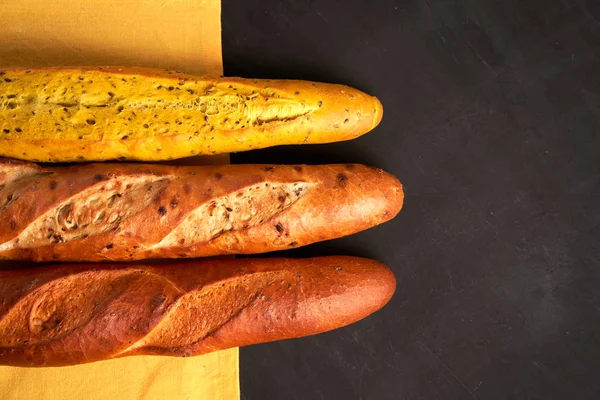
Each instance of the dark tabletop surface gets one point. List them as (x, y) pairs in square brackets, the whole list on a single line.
[(492, 112)]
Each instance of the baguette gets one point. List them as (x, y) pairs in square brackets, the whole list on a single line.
[(73, 314), (94, 114), (120, 212)]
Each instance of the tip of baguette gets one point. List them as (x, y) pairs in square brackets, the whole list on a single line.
[(393, 194), (378, 113), (382, 285), (368, 286)]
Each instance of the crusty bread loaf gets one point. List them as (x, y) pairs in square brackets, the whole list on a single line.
[(103, 212), (72, 314), (85, 114)]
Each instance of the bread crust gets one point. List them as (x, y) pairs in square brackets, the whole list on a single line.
[(121, 212), (72, 314), (95, 114)]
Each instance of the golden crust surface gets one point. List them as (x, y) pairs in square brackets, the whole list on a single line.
[(97, 114)]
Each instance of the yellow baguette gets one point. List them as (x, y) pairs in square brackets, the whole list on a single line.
[(95, 114)]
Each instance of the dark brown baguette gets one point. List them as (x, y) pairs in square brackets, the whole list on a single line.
[(104, 212), (73, 314)]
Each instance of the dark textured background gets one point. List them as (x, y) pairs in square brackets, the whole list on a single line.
[(492, 111)]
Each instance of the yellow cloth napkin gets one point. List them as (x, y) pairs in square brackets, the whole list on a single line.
[(177, 34), (212, 376)]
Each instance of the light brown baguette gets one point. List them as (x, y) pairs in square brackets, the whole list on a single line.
[(93, 114), (72, 314), (104, 212)]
